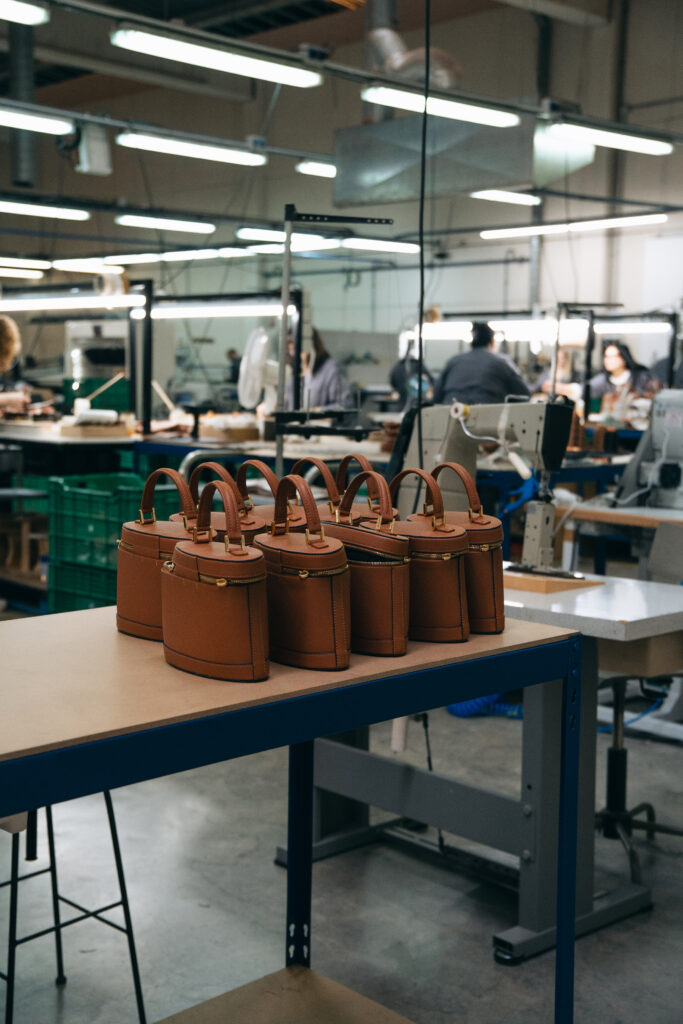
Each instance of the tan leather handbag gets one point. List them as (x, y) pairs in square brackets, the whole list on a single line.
[(250, 522), (329, 511), (484, 559), (380, 573), (144, 547), (438, 590), (308, 586), (296, 517), (213, 598)]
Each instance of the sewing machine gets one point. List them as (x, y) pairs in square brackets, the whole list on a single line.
[(533, 437), (655, 474)]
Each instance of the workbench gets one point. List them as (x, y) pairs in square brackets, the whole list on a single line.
[(86, 709), (47, 454)]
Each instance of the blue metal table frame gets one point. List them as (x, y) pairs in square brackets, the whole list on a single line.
[(84, 768)]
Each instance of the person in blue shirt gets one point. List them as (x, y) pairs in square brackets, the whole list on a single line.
[(480, 376)]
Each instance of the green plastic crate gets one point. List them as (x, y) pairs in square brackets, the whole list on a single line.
[(35, 483), (115, 397), (86, 513), (73, 587)]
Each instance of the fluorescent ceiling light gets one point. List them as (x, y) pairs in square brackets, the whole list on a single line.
[(379, 245), (23, 13), (196, 310), (198, 150), (168, 48), (300, 241), (181, 256), (496, 195), (35, 122), (15, 261), (602, 224), (568, 133), (195, 227), (446, 330), (632, 327), (277, 248), (402, 99), (26, 275), (130, 259), (543, 330), (87, 266), (48, 303), (175, 256), (37, 210), (317, 168), (263, 234)]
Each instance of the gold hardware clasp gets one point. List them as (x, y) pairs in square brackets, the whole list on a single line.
[(303, 574), (146, 522), (322, 534)]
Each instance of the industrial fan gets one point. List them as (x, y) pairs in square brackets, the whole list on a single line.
[(258, 373)]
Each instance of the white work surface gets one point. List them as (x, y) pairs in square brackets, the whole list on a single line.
[(598, 510), (41, 435), (614, 609)]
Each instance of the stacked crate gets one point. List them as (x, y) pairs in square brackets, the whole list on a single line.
[(86, 513)]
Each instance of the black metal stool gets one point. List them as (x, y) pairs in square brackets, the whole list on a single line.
[(57, 898)]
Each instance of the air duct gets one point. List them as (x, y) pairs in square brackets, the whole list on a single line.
[(22, 87), (393, 57)]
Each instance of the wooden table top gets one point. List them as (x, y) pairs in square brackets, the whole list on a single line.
[(72, 678)]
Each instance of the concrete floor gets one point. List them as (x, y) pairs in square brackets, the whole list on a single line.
[(208, 902)]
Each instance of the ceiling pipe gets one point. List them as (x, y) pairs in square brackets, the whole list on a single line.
[(22, 88)]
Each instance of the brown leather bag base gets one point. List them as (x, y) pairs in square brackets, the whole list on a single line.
[(138, 586), (237, 652), (485, 600), (380, 596), (433, 619)]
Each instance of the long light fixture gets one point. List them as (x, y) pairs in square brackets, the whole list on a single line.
[(155, 44), (569, 133), (277, 248), (176, 256), (602, 224), (497, 195), (199, 310), (23, 13), (194, 227), (403, 99), (632, 327), (446, 330), (35, 122), (89, 265), (25, 275), (543, 330), (62, 303), (36, 210), (197, 150), (300, 240), (16, 261), (317, 168), (379, 245)]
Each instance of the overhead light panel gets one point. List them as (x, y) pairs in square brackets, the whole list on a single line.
[(261, 234), (632, 327), (403, 99), (40, 123), (194, 227), (543, 330), (446, 330), (16, 261), (602, 224), (155, 44), (317, 168), (215, 310), (23, 13), (197, 150), (379, 245), (87, 266), (38, 210), (25, 275), (133, 258), (496, 195), (581, 134), (300, 240), (62, 303)]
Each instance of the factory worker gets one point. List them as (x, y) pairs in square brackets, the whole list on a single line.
[(565, 373), (621, 374), (324, 385), (13, 399), (480, 376)]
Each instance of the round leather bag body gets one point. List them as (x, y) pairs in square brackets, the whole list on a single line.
[(214, 602)]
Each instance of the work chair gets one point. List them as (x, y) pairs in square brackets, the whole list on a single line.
[(615, 821), (28, 823)]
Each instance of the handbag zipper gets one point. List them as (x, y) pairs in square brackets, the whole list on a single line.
[(127, 547), (304, 574), (486, 547), (219, 581), (444, 556), (387, 561)]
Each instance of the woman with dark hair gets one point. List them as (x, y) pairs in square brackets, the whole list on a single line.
[(621, 375), (325, 386), (13, 399)]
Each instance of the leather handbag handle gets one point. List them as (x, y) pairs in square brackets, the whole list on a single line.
[(147, 500), (288, 487), (467, 481), (434, 496), (385, 511), (343, 469), (233, 530), (222, 473), (265, 471), (326, 474)]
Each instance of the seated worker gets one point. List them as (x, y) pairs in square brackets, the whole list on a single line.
[(13, 398), (324, 385), (234, 360), (479, 376), (403, 379), (659, 372), (621, 375), (565, 373)]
